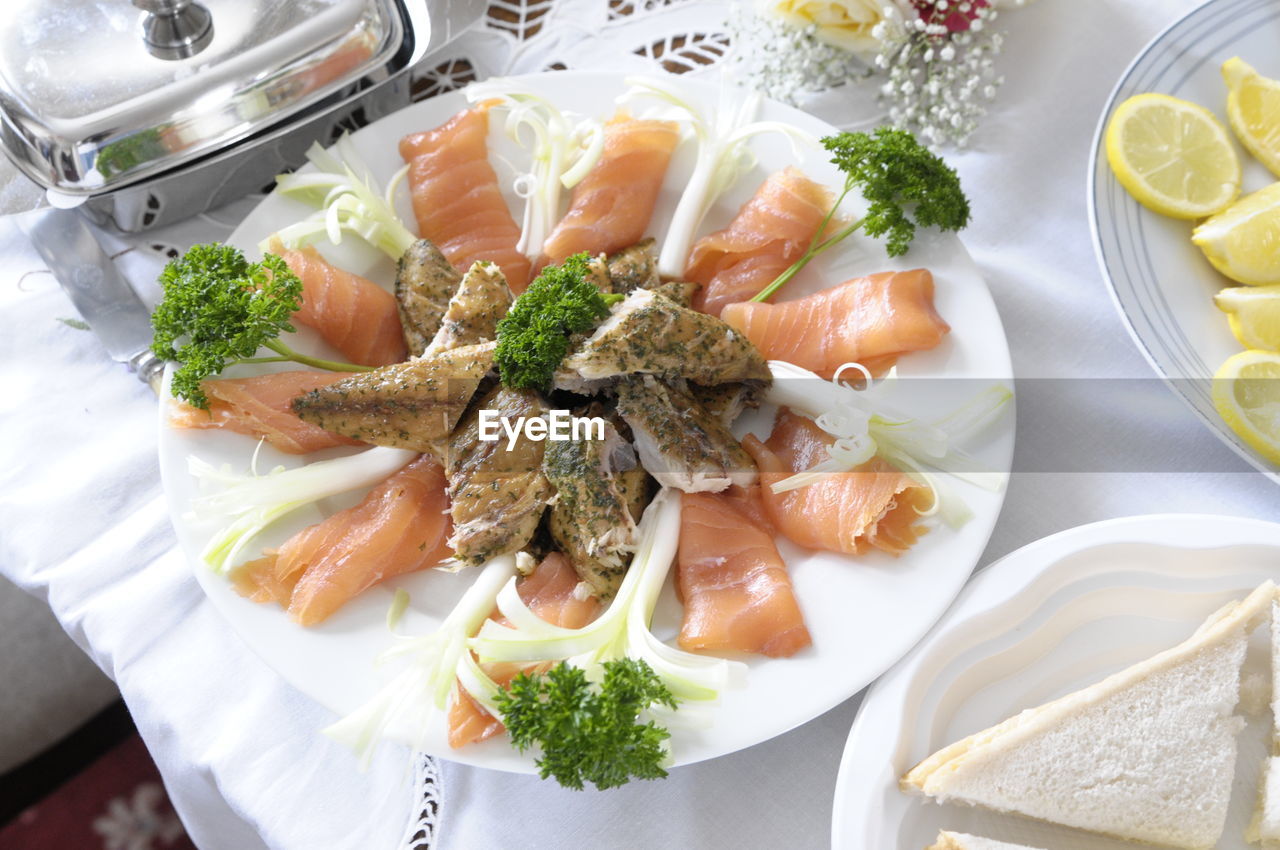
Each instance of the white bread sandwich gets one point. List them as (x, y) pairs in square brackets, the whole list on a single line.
[(1265, 827), (961, 841), (1147, 754)]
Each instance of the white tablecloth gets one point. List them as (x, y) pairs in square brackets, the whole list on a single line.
[(83, 523)]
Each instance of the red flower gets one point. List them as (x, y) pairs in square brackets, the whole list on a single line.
[(952, 18)]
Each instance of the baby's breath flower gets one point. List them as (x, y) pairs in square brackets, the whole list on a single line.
[(783, 61), (936, 56), (941, 69)]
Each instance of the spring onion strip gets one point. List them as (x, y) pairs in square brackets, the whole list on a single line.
[(253, 502), (561, 154), (348, 200), (405, 705), (623, 629), (721, 159), (399, 604), (864, 426), (477, 683)]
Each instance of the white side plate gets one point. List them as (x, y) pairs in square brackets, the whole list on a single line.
[(1054, 616)]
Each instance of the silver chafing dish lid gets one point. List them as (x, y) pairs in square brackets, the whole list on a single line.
[(99, 94)]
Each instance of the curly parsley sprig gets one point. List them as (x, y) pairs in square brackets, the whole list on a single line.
[(589, 733), (905, 185), (219, 309), (534, 335)]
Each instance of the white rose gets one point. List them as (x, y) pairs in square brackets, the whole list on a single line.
[(844, 24)]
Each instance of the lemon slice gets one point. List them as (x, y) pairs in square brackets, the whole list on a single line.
[(1243, 241), (1254, 315), (1246, 392), (1253, 108), (1173, 156)]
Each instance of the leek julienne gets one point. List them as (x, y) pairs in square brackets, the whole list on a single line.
[(623, 629), (405, 705), (722, 157), (562, 154), (251, 503), (344, 190)]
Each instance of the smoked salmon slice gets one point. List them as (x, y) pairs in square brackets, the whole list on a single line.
[(750, 503), (353, 314), (874, 505), (259, 407), (734, 584), (400, 527), (769, 233), (610, 209), (549, 593), (869, 320), (456, 198)]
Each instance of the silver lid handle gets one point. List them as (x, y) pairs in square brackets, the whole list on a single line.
[(175, 29)]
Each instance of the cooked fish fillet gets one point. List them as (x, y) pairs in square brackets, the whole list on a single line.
[(410, 405), (425, 281), (635, 267), (591, 519), (679, 291), (481, 299), (497, 495), (651, 334), (681, 444), (726, 401), (598, 273)]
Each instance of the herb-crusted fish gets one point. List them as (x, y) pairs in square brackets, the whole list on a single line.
[(726, 401), (425, 281), (680, 291), (410, 405), (592, 518), (681, 444), (651, 334), (497, 493), (635, 267), (481, 299)]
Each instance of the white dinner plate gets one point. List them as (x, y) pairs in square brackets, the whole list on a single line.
[(1161, 283), (864, 613), (1056, 615)]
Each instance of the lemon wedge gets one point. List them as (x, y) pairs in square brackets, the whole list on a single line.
[(1246, 392), (1253, 108), (1173, 156), (1243, 241), (1254, 315)]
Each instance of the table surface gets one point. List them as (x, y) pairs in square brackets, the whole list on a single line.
[(85, 524)]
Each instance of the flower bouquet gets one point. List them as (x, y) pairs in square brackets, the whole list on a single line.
[(934, 60)]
